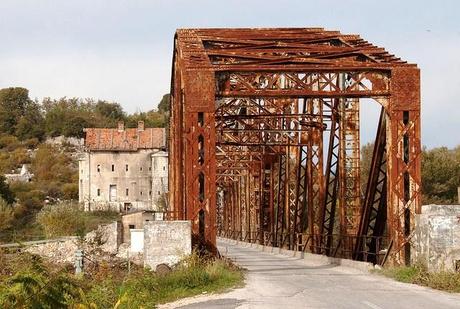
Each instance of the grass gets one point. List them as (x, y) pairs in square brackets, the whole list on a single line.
[(198, 277), (26, 280), (418, 274), (192, 276)]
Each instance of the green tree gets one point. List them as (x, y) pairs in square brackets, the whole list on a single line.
[(163, 106), (440, 175), (19, 115), (70, 116), (60, 114), (13, 104), (151, 119), (31, 124), (108, 110), (366, 161), (74, 127)]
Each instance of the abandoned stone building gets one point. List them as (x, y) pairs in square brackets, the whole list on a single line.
[(124, 169), (24, 175)]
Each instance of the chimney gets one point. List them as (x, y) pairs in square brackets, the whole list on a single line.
[(121, 126), (140, 126)]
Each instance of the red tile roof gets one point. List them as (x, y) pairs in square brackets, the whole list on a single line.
[(124, 140)]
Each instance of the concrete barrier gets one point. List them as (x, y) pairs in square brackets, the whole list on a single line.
[(166, 242), (365, 267)]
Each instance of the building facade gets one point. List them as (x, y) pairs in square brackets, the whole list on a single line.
[(124, 169)]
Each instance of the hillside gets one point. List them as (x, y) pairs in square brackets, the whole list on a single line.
[(46, 137)]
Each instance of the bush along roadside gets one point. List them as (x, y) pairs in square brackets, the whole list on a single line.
[(419, 274), (27, 281)]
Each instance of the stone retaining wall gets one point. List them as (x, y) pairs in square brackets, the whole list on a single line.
[(437, 237)]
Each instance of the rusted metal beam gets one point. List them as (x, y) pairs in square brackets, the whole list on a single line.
[(374, 210)]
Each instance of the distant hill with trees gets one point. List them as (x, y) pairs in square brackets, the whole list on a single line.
[(25, 118), (25, 124)]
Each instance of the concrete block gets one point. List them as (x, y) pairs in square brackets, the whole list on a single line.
[(441, 210), (137, 240), (166, 242), (107, 236), (437, 237)]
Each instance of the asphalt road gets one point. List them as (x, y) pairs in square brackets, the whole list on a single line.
[(276, 281)]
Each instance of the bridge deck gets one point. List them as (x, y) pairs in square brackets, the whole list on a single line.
[(276, 281)]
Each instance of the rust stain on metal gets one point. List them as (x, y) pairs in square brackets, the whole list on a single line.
[(264, 140)]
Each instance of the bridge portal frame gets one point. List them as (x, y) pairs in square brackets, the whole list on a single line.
[(218, 137)]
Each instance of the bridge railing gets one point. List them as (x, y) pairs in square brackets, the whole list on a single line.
[(371, 249)]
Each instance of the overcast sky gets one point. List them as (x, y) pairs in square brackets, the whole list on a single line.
[(121, 50)]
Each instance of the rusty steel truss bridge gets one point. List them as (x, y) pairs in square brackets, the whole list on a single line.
[(264, 141)]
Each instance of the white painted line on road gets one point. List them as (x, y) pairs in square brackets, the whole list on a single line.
[(371, 305)]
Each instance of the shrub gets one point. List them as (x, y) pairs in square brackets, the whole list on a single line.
[(70, 191), (67, 219), (35, 286), (32, 143), (9, 142), (102, 294), (193, 275), (6, 215), (26, 281), (419, 274), (63, 219)]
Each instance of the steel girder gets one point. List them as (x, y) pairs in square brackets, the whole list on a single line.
[(374, 210), (252, 113)]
